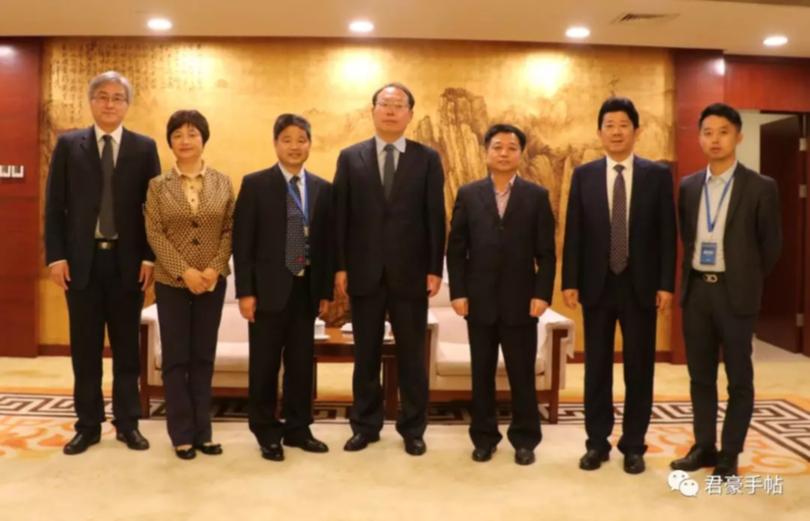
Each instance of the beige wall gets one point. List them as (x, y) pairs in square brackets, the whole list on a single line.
[(552, 92)]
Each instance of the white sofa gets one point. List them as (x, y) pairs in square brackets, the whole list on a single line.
[(231, 363), (449, 361), (448, 358)]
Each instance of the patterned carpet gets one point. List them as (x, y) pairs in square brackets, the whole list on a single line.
[(779, 438)]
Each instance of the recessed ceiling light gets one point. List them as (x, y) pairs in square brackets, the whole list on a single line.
[(6, 51), (578, 32), (159, 24), (776, 40), (361, 26)]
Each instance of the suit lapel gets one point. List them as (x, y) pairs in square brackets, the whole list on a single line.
[(312, 197), (403, 166), (487, 194), (636, 193), (125, 151), (514, 198), (277, 188), (737, 189), (90, 147), (601, 199), (693, 193), (369, 156), (174, 185)]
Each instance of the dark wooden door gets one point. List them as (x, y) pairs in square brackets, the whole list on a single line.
[(782, 300)]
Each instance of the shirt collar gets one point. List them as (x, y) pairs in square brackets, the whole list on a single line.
[(116, 134), (177, 171), (510, 184), (288, 175), (725, 176), (627, 163), (399, 144)]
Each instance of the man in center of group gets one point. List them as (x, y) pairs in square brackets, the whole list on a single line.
[(501, 260), (390, 234)]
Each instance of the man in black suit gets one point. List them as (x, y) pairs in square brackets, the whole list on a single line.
[(619, 262), (96, 250), (732, 238), (389, 205), (281, 251), (501, 261)]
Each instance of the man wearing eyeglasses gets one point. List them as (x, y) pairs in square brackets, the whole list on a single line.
[(389, 204), (96, 251)]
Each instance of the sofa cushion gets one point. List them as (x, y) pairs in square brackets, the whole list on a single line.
[(453, 359), (232, 328)]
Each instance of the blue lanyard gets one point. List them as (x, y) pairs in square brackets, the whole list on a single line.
[(709, 222), (298, 202)]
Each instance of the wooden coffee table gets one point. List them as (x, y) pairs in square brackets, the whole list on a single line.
[(339, 348)]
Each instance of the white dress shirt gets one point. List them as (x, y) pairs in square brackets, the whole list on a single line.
[(627, 174), (715, 184), (302, 184), (116, 145), (399, 148)]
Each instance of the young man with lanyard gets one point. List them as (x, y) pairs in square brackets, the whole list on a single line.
[(731, 232)]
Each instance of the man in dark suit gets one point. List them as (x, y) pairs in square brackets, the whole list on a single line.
[(281, 235), (96, 250), (501, 261), (732, 238), (390, 224), (619, 262)]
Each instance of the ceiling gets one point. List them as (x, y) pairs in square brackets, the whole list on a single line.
[(736, 27)]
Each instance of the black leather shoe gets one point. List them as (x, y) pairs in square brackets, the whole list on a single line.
[(698, 457), (415, 446), (134, 439), (726, 466), (210, 449), (273, 452), (308, 445), (481, 454), (80, 442), (593, 459), (360, 441), (524, 456), (189, 453), (634, 463)]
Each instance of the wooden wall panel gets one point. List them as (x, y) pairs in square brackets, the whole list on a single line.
[(20, 88), (698, 82), (769, 84)]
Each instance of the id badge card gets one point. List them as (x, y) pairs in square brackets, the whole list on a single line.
[(708, 253)]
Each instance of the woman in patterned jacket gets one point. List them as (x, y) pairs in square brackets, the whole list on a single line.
[(189, 215)]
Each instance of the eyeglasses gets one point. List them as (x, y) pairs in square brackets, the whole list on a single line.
[(104, 99), (394, 106)]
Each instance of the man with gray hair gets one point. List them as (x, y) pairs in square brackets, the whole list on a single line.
[(96, 251)]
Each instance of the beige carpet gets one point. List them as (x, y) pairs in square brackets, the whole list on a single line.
[(111, 483)]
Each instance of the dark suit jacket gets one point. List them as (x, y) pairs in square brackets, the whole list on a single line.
[(402, 238), (501, 264), (73, 200), (260, 236), (652, 232), (752, 240)]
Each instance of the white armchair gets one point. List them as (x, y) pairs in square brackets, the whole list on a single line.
[(230, 365), (449, 361)]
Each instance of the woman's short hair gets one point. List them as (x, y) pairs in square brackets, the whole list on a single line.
[(187, 117)]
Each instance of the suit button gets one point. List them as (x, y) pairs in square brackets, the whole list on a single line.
[(195, 224), (195, 242)]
